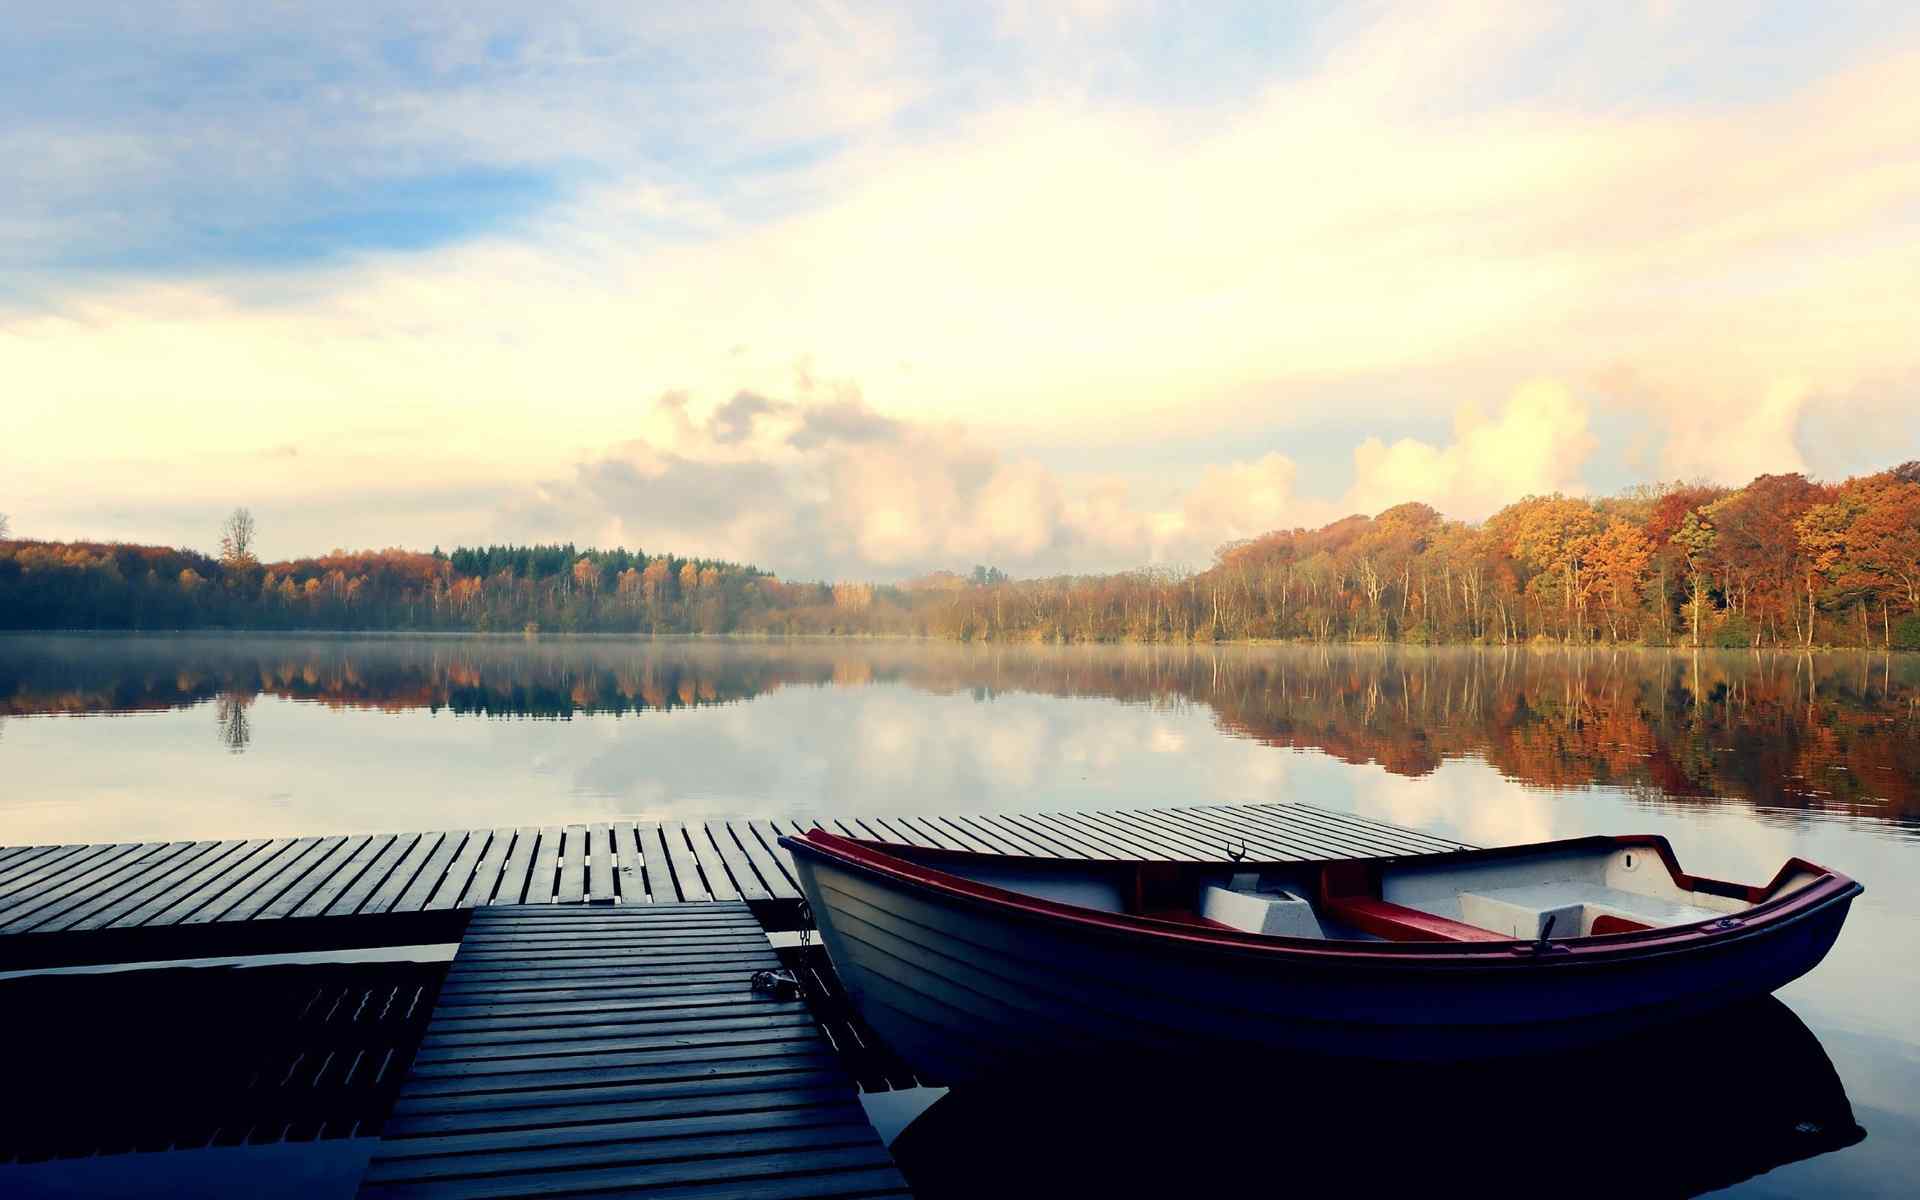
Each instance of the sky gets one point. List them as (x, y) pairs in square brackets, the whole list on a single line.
[(863, 291)]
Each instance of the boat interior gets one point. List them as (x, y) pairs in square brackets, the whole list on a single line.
[(1590, 887)]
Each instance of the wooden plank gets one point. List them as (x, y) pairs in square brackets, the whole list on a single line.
[(1226, 838), (350, 886), (716, 845), (337, 859), (630, 871), (183, 897), (647, 1085), (937, 834), (1122, 838), (673, 1100), (84, 870), (1293, 842), (573, 866), (79, 891), (1176, 843), (713, 871), (487, 872), (687, 883), (768, 835), (383, 882), (600, 886), (1417, 836), (170, 877), (1313, 838), (998, 840), (546, 866), (48, 870), (150, 874), (214, 900), (515, 875), (431, 875), (659, 868), (670, 1156), (293, 867), (403, 1149), (459, 874), (1070, 845), (37, 866), (770, 869)]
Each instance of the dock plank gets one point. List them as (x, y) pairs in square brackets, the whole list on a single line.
[(687, 882), (546, 866), (73, 889), (40, 907), (269, 887), (459, 872), (146, 875), (715, 839), (628, 1089), (179, 899), (487, 873), (519, 868), (600, 888), (343, 897), (573, 866), (630, 871)]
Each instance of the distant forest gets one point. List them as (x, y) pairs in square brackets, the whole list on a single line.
[(1783, 561)]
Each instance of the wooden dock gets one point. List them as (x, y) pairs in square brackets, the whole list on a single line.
[(580, 1050), (100, 903)]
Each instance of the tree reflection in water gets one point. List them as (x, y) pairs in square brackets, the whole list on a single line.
[(1837, 732)]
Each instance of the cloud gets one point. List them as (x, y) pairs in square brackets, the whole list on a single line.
[(1536, 444), (1735, 442), (832, 489)]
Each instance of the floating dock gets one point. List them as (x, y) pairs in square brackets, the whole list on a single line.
[(70, 904), (578, 1050)]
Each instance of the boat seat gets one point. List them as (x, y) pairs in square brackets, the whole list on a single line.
[(1350, 894), (1577, 908), (1398, 923)]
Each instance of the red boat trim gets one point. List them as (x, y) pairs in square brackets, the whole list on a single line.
[(1767, 914), (1607, 923)]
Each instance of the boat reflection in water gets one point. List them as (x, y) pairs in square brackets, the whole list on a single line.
[(1685, 1109)]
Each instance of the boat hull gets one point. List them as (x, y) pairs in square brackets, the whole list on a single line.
[(967, 990)]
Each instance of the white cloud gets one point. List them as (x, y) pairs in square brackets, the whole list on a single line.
[(835, 489), (1536, 444), (1736, 441)]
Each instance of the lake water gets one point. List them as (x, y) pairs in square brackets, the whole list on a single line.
[(1743, 760)]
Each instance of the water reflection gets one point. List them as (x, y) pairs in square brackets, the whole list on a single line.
[(1837, 733), (1685, 1110)]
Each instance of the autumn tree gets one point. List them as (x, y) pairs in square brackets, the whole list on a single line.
[(1695, 538), (236, 540), (1550, 535), (1866, 543), (1616, 560)]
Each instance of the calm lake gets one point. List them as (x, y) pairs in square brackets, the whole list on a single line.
[(1743, 760)]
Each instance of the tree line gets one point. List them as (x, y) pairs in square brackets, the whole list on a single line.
[(1784, 561)]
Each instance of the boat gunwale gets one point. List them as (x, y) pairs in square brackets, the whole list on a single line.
[(1769, 915)]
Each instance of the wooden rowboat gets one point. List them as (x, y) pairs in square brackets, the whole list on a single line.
[(978, 966)]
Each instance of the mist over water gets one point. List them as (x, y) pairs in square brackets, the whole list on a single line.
[(1742, 759)]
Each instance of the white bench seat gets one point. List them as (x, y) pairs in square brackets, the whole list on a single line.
[(1521, 912)]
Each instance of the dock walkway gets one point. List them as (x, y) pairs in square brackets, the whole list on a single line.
[(94, 903), (584, 1050)]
